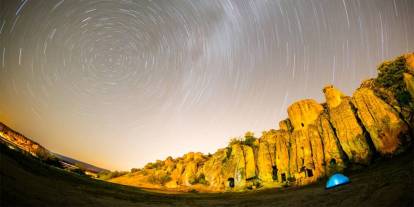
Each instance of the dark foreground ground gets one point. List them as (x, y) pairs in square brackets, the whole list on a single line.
[(25, 181)]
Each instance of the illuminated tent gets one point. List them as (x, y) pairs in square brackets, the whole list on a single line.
[(336, 180)]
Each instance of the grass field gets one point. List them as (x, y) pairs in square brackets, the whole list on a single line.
[(26, 181)]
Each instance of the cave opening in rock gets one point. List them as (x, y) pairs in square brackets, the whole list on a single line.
[(332, 163), (309, 172), (274, 173), (231, 182), (283, 175)]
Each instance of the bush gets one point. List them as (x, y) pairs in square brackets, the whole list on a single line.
[(135, 170), (155, 165), (248, 139), (201, 179), (159, 179), (234, 141), (390, 76)]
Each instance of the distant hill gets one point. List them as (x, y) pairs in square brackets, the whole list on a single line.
[(315, 141), (20, 142)]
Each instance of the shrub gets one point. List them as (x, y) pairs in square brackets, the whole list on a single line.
[(234, 141), (201, 179), (390, 76), (135, 170), (159, 178), (152, 165), (248, 139)]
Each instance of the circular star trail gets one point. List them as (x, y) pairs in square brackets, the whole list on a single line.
[(119, 83)]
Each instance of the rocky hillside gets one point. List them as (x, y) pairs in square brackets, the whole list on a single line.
[(316, 140), (19, 141)]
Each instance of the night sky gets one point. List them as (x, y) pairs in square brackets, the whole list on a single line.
[(121, 83)]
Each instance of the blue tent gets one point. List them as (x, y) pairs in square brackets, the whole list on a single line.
[(336, 180)]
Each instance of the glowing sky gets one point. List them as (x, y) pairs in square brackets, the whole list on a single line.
[(119, 83)]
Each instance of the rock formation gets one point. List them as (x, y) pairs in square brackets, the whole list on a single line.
[(380, 120), (19, 141), (345, 123), (315, 141)]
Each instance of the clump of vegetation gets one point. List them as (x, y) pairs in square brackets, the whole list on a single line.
[(248, 139), (390, 76), (133, 170), (201, 179), (159, 179), (157, 165), (106, 175)]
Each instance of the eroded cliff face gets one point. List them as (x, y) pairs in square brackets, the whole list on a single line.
[(345, 123), (315, 141)]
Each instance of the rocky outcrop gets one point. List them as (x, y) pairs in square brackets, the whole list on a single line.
[(380, 120), (23, 143), (315, 141), (334, 158), (303, 113), (345, 123)]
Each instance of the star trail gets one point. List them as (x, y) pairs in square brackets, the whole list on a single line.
[(119, 83)]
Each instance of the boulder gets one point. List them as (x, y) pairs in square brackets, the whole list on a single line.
[(333, 96), (303, 113)]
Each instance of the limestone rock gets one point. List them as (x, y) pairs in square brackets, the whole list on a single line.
[(333, 154), (303, 113), (282, 146), (349, 132), (306, 155), (212, 170), (249, 161), (333, 96), (286, 125), (409, 59), (236, 166), (265, 162), (381, 121), (189, 174)]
